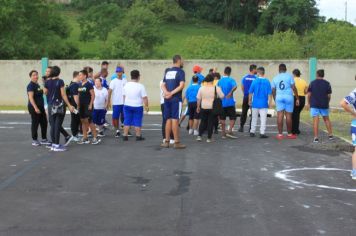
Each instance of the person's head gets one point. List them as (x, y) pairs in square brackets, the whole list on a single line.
[(178, 61), (195, 79), (135, 75), (48, 71), (296, 73), (90, 71), (227, 70), (104, 72), (55, 71), (320, 74), (211, 71), (282, 68), (104, 65), (75, 74), (33, 75), (197, 69), (209, 78), (119, 71), (260, 71), (253, 69), (97, 83), (83, 75), (216, 76)]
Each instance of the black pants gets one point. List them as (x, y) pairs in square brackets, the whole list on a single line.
[(245, 108), (56, 121), (75, 123), (38, 120), (207, 119), (296, 115)]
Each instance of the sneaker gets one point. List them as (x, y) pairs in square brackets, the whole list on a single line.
[(106, 124), (58, 148), (165, 145), (80, 135), (241, 130), (331, 137), (196, 133), (171, 141), (49, 146), (84, 141), (231, 135), (95, 141), (101, 133), (280, 137), (191, 132), (36, 143), (68, 140), (316, 140), (252, 135), (45, 142), (129, 134), (263, 136), (117, 135), (76, 139), (223, 137), (125, 138), (291, 136), (179, 146), (208, 140), (199, 139), (140, 138), (353, 174)]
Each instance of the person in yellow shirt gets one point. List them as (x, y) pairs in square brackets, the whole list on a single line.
[(302, 87)]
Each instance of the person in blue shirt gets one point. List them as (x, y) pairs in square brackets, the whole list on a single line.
[(349, 105), (259, 99), (245, 87), (282, 90), (172, 86), (228, 85), (197, 70), (191, 97)]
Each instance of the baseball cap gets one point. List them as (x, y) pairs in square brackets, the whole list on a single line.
[(197, 68), (119, 69)]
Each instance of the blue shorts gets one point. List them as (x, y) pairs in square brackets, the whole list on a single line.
[(172, 109), (319, 112), (353, 132), (98, 116), (285, 103), (116, 111), (133, 116)]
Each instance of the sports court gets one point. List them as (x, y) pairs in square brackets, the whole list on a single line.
[(230, 187)]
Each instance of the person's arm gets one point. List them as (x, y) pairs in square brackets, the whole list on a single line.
[(145, 102), (346, 106), (329, 98), (269, 100), (229, 95), (179, 88), (250, 99), (166, 93), (92, 98), (109, 97), (65, 99), (76, 100), (220, 92), (107, 100), (274, 93), (296, 95), (199, 100), (32, 101)]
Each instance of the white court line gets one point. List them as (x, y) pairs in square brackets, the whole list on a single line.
[(6, 127), (283, 175)]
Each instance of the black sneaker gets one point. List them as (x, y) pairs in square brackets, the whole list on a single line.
[(101, 134), (117, 135), (125, 138), (331, 137), (263, 136), (252, 135), (316, 140), (140, 138), (45, 142), (241, 130)]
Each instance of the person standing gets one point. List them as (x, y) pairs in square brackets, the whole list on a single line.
[(90, 74), (191, 97), (73, 96), (205, 99), (259, 99), (349, 105), (37, 110), (104, 66), (197, 70), (319, 95), (228, 85), (116, 98), (282, 90), (56, 97), (245, 87), (100, 105), (134, 97), (164, 120), (173, 85), (302, 87)]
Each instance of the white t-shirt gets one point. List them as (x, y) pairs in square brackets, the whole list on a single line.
[(134, 92), (162, 94), (117, 87), (101, 96)]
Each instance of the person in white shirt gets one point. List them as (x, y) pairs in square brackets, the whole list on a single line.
[(100, 105), (116, 98), (134, 97)]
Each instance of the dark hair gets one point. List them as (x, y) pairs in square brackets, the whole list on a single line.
[(32, 71), (253, 67), (321, 73), (99, 79), (49, 67), (88, 69), (217, 75), (55, 71), (75, 74), (84, 72), (296, 72), (211, 70), (209, 78), (105, 63), (282, 68), (227, 70), (104, 70), (176, 58), (261, 70), (135, 74), (195, 79)]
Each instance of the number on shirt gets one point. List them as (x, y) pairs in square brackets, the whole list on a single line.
[(282, 86)]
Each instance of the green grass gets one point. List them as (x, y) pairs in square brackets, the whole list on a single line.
[(13, 108)]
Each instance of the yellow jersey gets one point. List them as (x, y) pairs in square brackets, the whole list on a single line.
[(301, 86)]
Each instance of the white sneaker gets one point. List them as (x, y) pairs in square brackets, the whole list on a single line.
[(171, 141), (196, 132), (199, 139), (208, 140), (191, 131)]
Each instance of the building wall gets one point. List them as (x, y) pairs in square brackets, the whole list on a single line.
[(15, 77)]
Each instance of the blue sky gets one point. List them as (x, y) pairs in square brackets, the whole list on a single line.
[(336, 9)]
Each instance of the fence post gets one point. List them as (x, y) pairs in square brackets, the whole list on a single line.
[(44, 62), (313, 63)]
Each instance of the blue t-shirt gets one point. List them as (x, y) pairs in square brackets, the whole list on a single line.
[(192, 92), (351, 99), (246, 82), (54, 90), (200, 78), (261, 89), (319, 89), (172, 78), (283, 84), (226, 84)]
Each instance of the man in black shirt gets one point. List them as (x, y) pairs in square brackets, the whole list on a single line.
[(73, 96)]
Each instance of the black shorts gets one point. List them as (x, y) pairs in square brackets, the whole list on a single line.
[(84, 112), (229, 112), (192, 111)]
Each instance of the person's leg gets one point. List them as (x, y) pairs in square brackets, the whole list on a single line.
[(137, 122), (35, 121), (295, 117), (254, 120), (203, 122), (163, 122), (44, 124), (195, 124), (168, 129), (232, 118), (243, 117), (57, 124), (328, 125), (263, 118), (51, 123), (210, 123), (175, 128), (300, 109), (280, 119), (289, 122), (316, 126), (73, 124), (85, 126), (354, 159)]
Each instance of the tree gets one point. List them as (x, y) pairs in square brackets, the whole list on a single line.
[(33, 29), (123, 48), (85, 4), (283, 15), (98, 21), (206, 47)]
